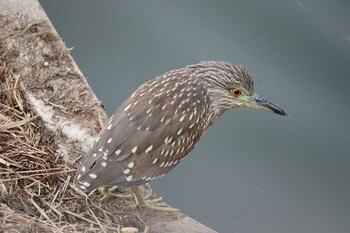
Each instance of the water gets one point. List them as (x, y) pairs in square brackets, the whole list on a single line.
[(252, 171)]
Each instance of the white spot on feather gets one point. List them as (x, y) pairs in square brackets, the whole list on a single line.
[(117, 152), (134, 150), (129, 178), (126, 171), (127, 107), (155, 161), (109, 140), (192, 125), (182, 118), (149, 149), (93, 176), (131, 165), (103, 164), (83, 169)]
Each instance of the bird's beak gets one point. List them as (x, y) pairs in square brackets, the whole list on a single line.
[(258, 102)]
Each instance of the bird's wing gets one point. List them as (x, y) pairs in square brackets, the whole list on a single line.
[(148, 125)]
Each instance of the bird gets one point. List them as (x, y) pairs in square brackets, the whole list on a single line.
[(160, 123)]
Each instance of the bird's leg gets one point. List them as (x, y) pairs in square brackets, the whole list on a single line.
[(140, 202), (106, 193)]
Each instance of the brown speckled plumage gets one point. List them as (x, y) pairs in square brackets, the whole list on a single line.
[(160, 123)]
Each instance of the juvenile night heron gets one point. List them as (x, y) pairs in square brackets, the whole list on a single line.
[(160, 123)]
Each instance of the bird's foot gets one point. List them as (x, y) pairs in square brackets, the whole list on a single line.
[(149, 204), (106, 194)]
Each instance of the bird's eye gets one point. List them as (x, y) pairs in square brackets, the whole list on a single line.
[(236, 92)]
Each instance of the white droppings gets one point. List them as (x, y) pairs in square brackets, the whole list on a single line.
[(83, 169), (103, 164), (129, 178), (131, 165), (127, 107), (162, 164), (155, 161), (86, 184), (179, 132), (93, 176), (117, 152), (98, 138), (182, 118), (126, 171), (109, 140), (149, 149), (134, 150), (109, 126)]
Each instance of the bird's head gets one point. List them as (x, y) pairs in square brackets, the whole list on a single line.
[(231, 86)]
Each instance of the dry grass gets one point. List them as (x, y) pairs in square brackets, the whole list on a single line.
[(36, 189)]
